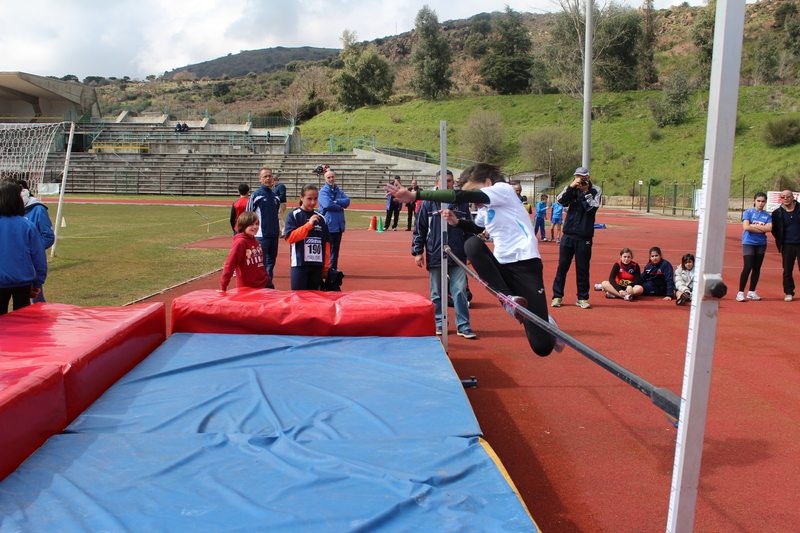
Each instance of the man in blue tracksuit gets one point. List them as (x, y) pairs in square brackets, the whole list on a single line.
[(426, 246), (332, 203), (583, 200), (265, 203)]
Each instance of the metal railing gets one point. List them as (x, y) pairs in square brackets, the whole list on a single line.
[(346, 144), (670, 198)]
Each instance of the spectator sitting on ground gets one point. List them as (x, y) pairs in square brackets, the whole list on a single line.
[(625, 278), (684, 278), (658, 278)]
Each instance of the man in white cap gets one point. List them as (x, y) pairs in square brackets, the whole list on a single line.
[(582, 198)]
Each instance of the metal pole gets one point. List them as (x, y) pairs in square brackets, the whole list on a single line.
[(444, 285), (63, 186), (720, 130), (587, 87)]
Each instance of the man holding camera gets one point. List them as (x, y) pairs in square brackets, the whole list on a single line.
[(582, 198)]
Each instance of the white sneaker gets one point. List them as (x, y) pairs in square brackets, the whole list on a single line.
[(598, 286), (753, 296), (788, 298), (740, 297), (559, 346)]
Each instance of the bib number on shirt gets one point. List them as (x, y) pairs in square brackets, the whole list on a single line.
[(312, 249)]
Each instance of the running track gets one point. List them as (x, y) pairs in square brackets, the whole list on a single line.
[(589, 453)]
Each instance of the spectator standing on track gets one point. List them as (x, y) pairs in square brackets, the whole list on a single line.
[(426, 247), (786, 230), (522, 198), (265, 203), (412, 206), (240, 205), (541, 216), (556, 221), (246, 257), (36, 212), (23, 263), (393, 207), (582, 198), (332, 202), (307, 234), (756, 223), (658, 277), (280, 190)]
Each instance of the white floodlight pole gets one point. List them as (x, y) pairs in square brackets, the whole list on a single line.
[(443, 284), (720, 130), (586, 159), (63, 186)]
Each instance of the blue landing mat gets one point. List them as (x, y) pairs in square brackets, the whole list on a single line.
[(233, 482), (307, 388)]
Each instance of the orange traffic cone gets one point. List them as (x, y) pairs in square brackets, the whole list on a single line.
[(373, 223)]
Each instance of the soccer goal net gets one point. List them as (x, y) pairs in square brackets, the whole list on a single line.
[(23, 151)]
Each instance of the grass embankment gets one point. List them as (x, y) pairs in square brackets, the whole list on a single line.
[(626, 145), (115, 254)]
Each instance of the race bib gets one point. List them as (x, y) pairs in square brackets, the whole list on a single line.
[(624, 282), (312, 247)]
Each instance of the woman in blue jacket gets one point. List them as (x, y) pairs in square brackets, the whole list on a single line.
[(23, 264)]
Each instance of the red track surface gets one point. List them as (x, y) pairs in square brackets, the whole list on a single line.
[(588, 452)]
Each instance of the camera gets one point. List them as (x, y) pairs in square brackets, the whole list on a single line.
[(584, 181)]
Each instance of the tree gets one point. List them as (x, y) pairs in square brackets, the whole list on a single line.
[(616, 31), (70, 77), (674, 104), (366, 78), (483, 135), (766, 59), (645, 48), (506, 68), (703, 39), (554, 148), (430, 58)]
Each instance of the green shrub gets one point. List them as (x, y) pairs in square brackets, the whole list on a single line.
[(783, 131)]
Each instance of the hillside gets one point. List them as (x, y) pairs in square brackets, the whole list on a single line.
[(626, 145)]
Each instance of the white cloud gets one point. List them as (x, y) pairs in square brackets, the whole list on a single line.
[(136, 38)]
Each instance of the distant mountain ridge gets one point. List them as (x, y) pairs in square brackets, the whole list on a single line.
[(262, 61)]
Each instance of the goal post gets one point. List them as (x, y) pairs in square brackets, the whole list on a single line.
[(24, 149)]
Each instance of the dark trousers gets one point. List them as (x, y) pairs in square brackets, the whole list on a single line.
[(581, 249), (336, 242), (411, 208), (521, 278), (752, 269), (306, 278), (790, 253), (269, 245), (21, 297), (393, 210)]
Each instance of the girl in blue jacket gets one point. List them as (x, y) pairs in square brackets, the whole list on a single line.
[(23, 264)]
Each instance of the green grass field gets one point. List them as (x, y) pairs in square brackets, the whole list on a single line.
[(116, 254)]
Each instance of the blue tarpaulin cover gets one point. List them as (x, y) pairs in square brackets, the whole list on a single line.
[(309, 388), (266, 433), (233, 482)]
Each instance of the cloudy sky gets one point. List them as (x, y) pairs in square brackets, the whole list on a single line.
[(140, 37)]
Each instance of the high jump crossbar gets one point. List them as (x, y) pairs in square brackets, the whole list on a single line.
[(664, 399)]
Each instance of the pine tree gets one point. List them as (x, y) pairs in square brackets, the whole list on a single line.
[(506, 68), (366, 78), (431, 58)]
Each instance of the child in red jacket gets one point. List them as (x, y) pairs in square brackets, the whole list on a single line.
[(246, 256)]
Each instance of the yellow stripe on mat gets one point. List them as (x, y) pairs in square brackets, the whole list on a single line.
[(503, 471)]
